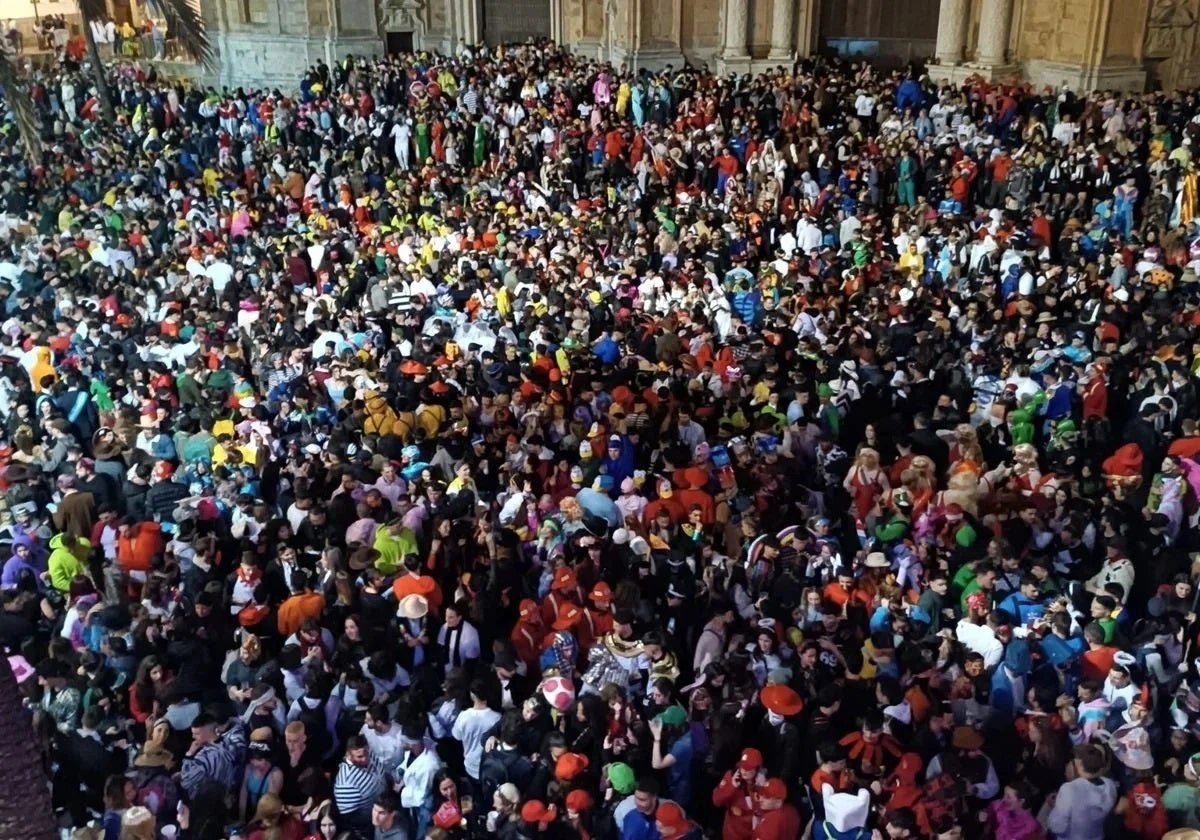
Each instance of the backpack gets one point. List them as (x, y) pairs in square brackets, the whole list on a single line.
[(156, 791), (499, 767), (941, 800), (315, 726)]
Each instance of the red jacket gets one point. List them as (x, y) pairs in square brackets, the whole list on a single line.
[(738, 802), (780, 824), (1095, 397)]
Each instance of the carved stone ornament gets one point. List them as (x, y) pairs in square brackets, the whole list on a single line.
[(401, 15)]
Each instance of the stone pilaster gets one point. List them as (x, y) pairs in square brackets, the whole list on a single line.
[(735, 50), (783, 13), (995, 19), (953, 16)]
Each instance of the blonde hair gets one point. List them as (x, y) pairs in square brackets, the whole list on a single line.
[(137, 824)]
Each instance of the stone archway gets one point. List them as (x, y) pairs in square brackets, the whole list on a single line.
[(405, 18)]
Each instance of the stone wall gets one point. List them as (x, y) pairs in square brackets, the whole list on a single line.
[(1086, 43)]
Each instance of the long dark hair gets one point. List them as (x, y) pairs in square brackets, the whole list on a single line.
[(144, 689)]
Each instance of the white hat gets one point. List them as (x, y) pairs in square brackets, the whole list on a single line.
[(620, 536), (639, 547), (413, 606), (877, 560)]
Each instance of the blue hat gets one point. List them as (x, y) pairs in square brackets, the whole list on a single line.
[(476, 439), (614, 442)]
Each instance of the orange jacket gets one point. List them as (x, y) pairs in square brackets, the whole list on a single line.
[(295, 609), (424, 585), (137, 548)]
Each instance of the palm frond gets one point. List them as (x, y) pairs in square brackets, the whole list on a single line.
[(91, 10), (187, 28), (17, 98)]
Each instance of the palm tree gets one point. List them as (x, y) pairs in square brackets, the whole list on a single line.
[(183, 21), (25, 807)]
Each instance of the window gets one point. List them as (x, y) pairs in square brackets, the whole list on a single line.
[(255, 11)]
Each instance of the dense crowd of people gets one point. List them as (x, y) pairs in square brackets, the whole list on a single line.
[(506, 444)]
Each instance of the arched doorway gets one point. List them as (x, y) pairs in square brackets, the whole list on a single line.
[(505, 21), (889, 32)]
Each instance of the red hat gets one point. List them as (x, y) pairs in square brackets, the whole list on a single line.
[(781, 700), (1126, 461), (601, 592), (670, 816), (578, 800), (528, 607), (569, 766), (954, 512), (750, 761), (564, 579), (535, 811), (568, 617), (772, 789)]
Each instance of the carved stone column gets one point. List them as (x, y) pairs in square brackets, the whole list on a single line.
[(995, 18), (556, 22), (735, 44), (953, 17), (466, 22), (783, 13)]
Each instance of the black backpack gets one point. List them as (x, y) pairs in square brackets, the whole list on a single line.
[(313, 718), (501, 766)]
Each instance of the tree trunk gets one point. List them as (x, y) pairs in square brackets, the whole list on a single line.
[(98, 78), (25, 807)]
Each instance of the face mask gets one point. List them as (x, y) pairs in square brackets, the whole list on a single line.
[(774, 719)]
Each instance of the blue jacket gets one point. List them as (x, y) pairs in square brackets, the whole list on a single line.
[(638, 826), (908, 95)]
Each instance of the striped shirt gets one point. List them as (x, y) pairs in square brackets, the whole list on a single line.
[(355, 788), (217, 763), (470, 100), (400, 299)]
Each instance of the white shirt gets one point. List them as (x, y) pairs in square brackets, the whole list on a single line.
[(220, 273), (388, 747), (417, 777), (808, 236), (982, 640), (1065, 133), (468, 644), (470, 727)]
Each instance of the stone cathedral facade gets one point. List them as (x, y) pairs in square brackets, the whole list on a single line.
[(1089, 44)]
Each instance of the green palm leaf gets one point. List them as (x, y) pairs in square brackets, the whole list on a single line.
[(187, 28), (16, 97)]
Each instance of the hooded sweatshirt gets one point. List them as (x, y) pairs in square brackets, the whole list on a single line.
[(65, 565), (1081, 807), (36, 561)]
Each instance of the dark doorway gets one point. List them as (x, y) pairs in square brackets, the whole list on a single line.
[(509, 21), (891, 34), (399, 42), (121, 12)]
